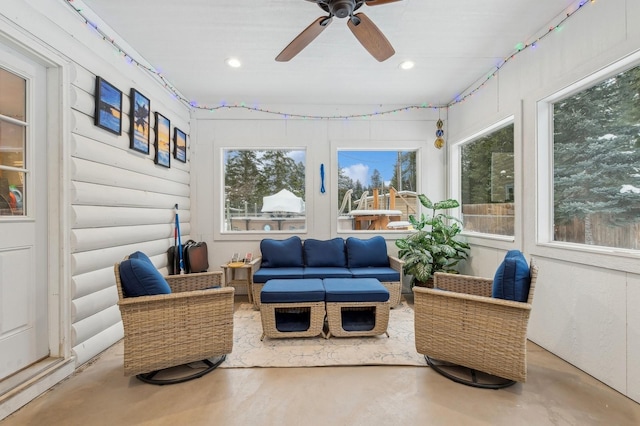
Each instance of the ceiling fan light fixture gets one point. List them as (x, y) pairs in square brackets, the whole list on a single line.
[(233, 62), (407, 65)]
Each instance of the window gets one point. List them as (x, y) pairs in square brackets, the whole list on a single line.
[(381, 180), (596, 164), (13, 139), (487, 183), (264, 190)]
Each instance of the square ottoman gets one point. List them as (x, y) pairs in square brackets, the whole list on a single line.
[(292, 308), (356, 307)]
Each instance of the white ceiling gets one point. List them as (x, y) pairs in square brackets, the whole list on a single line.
[(454, 43)]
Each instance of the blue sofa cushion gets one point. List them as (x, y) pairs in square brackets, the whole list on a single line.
[(140, 278), (281, 253), (366, 253), (326, 272), (325, 253), (512, 279), (292, 291), (355, 290), (263, 275), (381, 273)]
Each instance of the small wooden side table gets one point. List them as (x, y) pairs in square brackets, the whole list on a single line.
[(245, 280)]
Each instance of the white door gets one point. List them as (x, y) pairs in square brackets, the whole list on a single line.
[(23, 213)]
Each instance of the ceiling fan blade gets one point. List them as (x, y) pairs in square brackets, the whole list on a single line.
[(371, 37), (304, 38), (379, 2)]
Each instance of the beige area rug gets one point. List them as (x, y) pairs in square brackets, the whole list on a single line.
[(249, 351)]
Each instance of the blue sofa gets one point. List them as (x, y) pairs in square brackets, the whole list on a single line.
[(335, 258)]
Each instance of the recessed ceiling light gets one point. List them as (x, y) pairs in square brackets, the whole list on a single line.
[(234, 62), (407, 65)]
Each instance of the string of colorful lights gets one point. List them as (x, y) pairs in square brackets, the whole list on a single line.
[(519, 48)]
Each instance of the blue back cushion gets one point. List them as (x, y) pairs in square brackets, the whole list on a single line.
[(512, 279), (140, 278), (325, 253), (281, 253), (140, 255), (366, 253)]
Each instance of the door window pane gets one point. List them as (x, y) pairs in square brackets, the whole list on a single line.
[(487, 180), (12, 142), (12, 95)]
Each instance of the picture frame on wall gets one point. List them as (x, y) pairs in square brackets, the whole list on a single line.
[(163, 141), (108, 108), (140, 118), (179, 145)]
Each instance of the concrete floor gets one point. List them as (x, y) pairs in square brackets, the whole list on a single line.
[(555, 393)]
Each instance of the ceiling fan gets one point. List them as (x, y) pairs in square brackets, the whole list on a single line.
[(360, 25)]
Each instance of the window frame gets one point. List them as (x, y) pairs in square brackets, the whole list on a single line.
[(615, 258), (505, 242), (220, 230)]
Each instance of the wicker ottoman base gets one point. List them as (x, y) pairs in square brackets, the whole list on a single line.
[(339, 312), (272, 313)]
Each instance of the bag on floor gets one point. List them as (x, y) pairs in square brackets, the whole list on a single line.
[(196, 257)]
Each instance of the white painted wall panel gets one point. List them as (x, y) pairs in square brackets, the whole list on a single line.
[(633, 334), (103, 216), (585, 307), (98, 343), (100, 195), (85, 329), (91, 282), (94, 238), (84, 307)]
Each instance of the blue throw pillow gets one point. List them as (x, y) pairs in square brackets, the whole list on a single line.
[(365, 253), (140, 278), (140, 255), (281, 253), (319, 253), (512, 279)]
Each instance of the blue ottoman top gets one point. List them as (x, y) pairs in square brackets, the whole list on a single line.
[(355, 290), (292, 291)]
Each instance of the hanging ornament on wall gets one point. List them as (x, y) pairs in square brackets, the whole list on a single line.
[(439, 143)]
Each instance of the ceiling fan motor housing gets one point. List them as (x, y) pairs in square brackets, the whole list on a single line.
[(342, 8)]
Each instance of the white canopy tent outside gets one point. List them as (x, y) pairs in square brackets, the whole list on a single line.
[(284, 201)]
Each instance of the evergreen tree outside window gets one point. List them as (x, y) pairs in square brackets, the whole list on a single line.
[(252, 174), (596, 164), (487, 183)]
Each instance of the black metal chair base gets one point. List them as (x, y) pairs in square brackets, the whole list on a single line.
[(468, 376), (172, 380)]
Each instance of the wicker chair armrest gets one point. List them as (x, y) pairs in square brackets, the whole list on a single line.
[(255, 265), (192, 282), (159, 301), (463, 284), (482, 302)]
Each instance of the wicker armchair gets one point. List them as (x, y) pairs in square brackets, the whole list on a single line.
[(193, 323), (465, 326)]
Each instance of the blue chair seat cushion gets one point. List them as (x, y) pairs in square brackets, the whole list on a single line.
[(140, 278), (380, 273), (292, 291), (513, 278), (263, 275), (326, 272), (355, 290), (330, 253)]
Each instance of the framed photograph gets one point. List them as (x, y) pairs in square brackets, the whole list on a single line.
[(162, 142), (108, 113), (140, 117), (248, 257), (179, 145), (235, 258)]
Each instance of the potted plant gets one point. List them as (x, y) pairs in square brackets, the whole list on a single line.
[(433, 246)]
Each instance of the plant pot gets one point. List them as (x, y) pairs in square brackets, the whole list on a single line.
[(428, 283)]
